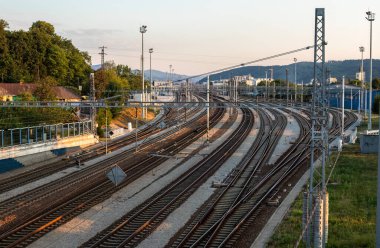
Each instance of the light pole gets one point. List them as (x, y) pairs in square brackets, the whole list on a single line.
[(142, 31), (295, 80), (266, 85), (170, 72), (370, 17), (287, 87), (150, 70), (106, 133), (342, 131), (274, 86), (361, 49), (150, 64)]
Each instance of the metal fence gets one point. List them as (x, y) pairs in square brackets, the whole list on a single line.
[(42, 134)]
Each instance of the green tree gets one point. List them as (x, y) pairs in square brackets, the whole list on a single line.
[(355, 82), (376, 83), (4, 51), (376, 104), (45, 89), (101, 119), (26, 96)]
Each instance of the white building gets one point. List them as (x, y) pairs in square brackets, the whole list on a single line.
[(360, 76), (332, 80)]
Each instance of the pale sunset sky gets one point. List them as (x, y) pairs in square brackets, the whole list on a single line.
[(197, 36)]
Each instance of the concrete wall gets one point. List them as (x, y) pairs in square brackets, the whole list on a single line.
[(23, 150), (369, 143)]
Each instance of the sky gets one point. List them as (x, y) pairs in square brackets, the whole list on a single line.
[(197, 36)]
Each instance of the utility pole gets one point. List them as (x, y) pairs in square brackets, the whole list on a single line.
[(102, 54)]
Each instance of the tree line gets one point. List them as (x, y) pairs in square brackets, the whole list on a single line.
[(39, 55)]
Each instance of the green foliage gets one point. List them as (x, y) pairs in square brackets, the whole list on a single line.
[(355, 82), (26, 96), (24, 117), (262, 83), (376, 83), (38, 53), (44, 90), (101, 117), (376, 105), (352, 201)]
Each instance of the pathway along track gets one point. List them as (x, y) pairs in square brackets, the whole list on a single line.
[(37, 214), (170, 117), (136, 225)]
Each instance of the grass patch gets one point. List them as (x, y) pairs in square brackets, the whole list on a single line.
[(352, 203)]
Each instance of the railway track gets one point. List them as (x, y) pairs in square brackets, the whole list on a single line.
[(133, 227), (223, 224), (92, 192), (245, 175)]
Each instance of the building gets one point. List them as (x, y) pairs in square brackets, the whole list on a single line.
[(332, 80), (10, 91), (359, 76)]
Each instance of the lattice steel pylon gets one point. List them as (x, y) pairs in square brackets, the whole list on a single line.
[(319, 139)]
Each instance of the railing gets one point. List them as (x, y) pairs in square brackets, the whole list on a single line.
[(43, 134), (371, 132)]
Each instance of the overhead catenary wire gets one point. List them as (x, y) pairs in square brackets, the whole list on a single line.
[(246, 63)]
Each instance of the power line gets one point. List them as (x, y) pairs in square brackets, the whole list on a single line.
[(248, 63)]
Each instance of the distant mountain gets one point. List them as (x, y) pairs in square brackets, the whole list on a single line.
[(162, 76), (96, 67), (156, 75), (347, 68)]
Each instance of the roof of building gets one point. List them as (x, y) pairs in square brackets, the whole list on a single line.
[(14, 89)]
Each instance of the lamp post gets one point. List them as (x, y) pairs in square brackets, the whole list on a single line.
[(274, 86), (361, 49), (287, 87), (370, 17), (170, 72), (142, 31), (150, 70), (150, 64), (266, 85), (295, 80)]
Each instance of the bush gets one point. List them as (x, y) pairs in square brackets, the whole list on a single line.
[(376, 105)]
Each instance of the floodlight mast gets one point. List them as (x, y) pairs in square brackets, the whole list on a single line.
[(361, 49), (370, 17), (142, 31)]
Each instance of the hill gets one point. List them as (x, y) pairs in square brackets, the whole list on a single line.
[(347, 68), (156, 75)]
